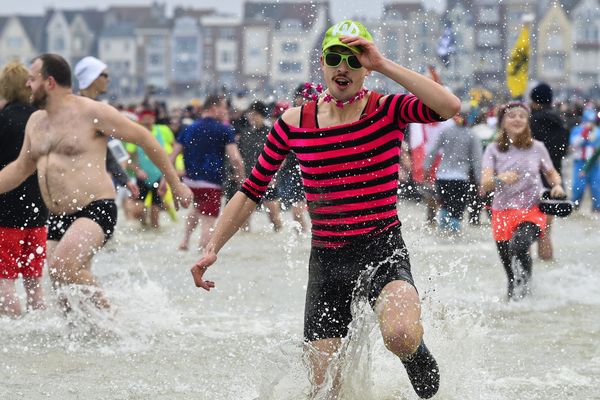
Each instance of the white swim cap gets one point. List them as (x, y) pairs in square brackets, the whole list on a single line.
[(87, 70)]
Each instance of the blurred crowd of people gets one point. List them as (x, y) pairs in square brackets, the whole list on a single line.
[(440, 165)]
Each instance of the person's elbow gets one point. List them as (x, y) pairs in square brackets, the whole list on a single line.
[(451, 107)]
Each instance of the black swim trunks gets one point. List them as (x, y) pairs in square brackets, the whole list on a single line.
[(361, 268), (102, 212), (146, 189)]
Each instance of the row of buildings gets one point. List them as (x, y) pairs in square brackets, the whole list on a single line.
[(274, 45)]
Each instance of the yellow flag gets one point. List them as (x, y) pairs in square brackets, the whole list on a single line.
[(517, 68)]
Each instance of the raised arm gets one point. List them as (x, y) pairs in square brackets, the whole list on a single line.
[(237, 211), (432, 94), (114, 124), (20, 169)]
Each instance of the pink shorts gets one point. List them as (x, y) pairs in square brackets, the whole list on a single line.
[(207, 201), (22, 251), (504, 222)]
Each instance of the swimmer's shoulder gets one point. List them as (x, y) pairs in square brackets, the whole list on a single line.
[(94, 108), (36, 118)]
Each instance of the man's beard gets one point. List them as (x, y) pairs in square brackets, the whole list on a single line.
[(39, 99)]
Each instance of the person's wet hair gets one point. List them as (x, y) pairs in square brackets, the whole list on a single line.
[(57, 67)]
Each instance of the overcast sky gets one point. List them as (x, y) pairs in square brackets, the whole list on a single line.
[(340, 8)]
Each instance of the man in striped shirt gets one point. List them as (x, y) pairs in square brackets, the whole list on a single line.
[(348, 145)]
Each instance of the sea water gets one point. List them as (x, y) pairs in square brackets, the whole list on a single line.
[(166, 339)]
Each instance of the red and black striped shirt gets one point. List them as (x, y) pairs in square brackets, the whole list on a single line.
[(349, 172)]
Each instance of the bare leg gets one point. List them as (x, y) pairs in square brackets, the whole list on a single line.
[(191, 221), (274, 213), (398, 309), (138, 210), (207, 222), (69, 261), (9, 301), (35, 293), (545, 248), (155, 216), (399, 312), (320, 356)]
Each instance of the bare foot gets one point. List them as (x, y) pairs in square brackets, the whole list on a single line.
[(183, 247)]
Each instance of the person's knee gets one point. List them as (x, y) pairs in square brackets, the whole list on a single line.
[(403, 340), (63, 270)]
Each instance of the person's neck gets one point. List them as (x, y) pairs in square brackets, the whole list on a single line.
[(348, 111), (90, 93), (56, 102)]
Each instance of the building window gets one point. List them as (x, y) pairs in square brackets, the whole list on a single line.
[(289, 47), (555, 42), (554, 63), (227, 33), (489, 14), (59, 44), (290, 67), (488, 37), (155, 41), (78, 44), (587, 77), (156, 59), (591, 33), (15, 42), (490, 61), (226, 57), (185, 44)]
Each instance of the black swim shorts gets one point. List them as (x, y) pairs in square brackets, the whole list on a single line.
[(146, 189), (361, 268), (102, 212)]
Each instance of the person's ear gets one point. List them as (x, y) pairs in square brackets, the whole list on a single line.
[(51, 82)]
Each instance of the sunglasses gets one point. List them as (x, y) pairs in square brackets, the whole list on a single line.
[(104, 75), (335, 59)]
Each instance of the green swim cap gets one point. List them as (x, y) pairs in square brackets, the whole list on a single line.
[(345, 28)]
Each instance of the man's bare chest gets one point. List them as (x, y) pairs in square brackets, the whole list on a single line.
[(69, 140)]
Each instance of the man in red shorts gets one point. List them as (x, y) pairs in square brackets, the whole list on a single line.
[(22, 211), (205, 145)]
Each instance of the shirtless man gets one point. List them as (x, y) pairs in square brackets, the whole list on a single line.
[(65, 141)]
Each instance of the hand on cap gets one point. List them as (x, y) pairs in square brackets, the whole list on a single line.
[(370, 57)]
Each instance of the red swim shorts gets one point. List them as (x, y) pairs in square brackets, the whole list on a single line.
[(22, 251), (207, 201), (504, 222)]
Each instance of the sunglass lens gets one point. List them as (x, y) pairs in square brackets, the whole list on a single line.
[(333, 59), (354, 63)]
